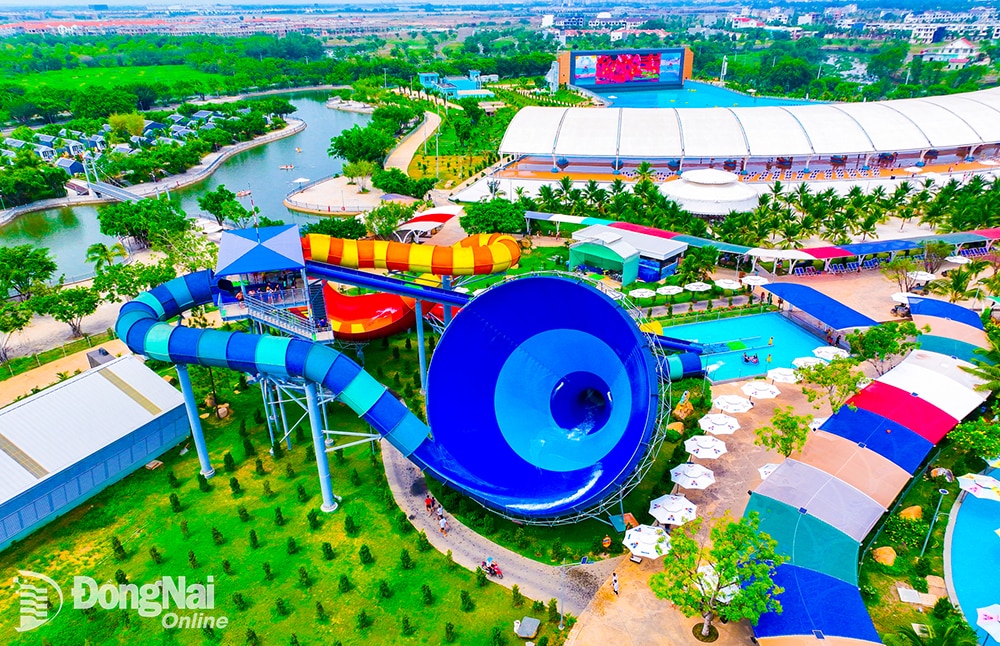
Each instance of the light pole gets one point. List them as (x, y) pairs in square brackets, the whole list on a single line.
[(385, 78), (944, 492)]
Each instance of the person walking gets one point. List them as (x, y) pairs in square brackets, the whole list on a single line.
[(443, 524), (614, 582), (428, 501), (432, 506), (440, 512)]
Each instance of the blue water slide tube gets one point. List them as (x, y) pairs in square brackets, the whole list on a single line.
[(670, 343), (543, 393)]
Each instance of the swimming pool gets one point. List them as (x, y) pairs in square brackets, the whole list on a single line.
[(692, 95), (975, 555), (749, 334)]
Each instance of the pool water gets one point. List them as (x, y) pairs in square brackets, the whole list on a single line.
[(692, 95), (750, 334), (975, 555)]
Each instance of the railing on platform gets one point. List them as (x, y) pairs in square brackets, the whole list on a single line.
[(282, 319)]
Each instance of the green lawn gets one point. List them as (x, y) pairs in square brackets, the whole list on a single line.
[(75, 79), (137, 511)]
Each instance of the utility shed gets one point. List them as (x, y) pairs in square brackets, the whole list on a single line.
[(68, 442)]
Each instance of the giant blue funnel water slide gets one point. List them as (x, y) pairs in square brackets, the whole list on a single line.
[(542, 395)]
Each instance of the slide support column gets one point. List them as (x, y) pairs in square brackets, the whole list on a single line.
[(315, 423), (446, 284), (192, 411), (421, 354)]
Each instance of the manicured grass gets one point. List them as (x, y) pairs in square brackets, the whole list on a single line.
[(878, 582), (138, 512), (79, 78)]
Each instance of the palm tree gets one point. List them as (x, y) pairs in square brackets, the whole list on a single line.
[(943, 634), (102, 254), (596, 196), (955, 286), (617, 187), (645, 171), (563, 188), (549, 200)]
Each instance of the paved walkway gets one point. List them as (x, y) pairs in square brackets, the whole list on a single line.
[(469, 549), (402, 155)]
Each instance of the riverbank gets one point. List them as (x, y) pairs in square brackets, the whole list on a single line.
[(197, 173)]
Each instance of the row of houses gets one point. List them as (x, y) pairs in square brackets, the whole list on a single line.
[(69, 147)]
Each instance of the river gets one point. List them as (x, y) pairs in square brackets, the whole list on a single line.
[(68, 232)]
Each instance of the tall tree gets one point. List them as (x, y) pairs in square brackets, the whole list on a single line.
[(217, 202), (836, 382), (981, 437), (495, 216), (24, 267), (14, 317), (68, 306), (101, 254), (142, 220), (384, 218), (787, 433), (361, 144), (738, 581), (884, 345)]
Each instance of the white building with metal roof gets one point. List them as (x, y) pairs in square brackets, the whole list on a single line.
[(968, 120), (68, 442)]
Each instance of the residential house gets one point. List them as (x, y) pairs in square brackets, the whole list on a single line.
[(202, 115), (180, 131), (47, 153), (167, 141), (148, 127), (176, 118), (96, 142), (46, 140), (17, 144), (70, 165), (138, 141), (122, 149), (957, 54), (8, 155)]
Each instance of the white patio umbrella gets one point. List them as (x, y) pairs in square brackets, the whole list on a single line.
[(719, 424), (783, 375), (647, 541), (692, 476), (817, 422), (669, 290), (755, 281), (958, 260), (805, 362), (698, 287), (642, 292), (766, 470), (728, 283), (761, 390), (732, 404), (901, 297), (988, 619), (829, 353), (921, 276), (706, 447), (673, 510), (980, 486), (301, 180), (708, 580)]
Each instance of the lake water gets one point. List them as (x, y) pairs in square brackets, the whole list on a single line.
[(692, 95), (68, 232)]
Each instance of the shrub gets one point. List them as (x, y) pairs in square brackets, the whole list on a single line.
[(365, 554), (449, 632), (313, 518), (427, 594), (227, 567), (328, 553), (254, 542), (175, 503), (280, 606), (252, 638), (537, 606), (553, 611), (497, 638), (120, 577), (203, 483), (289, 471), (384, 591), (279, 519), (405, 560), (320, 612), (355, 478), (248, 447), (155, 555), (363, 621), (903, 531), (259, 467), (267, 489), (268, 574), (923, 566), (338, 455), (344, 584), (292, 546), (350, 526), (243, 514), (558, 551), (395, 354), (304, 579), (423, 545), (406, 626), (217, 536), (184, 529), (516, 598), (118, 549), (467, 604), (481, 580), (234, 486), (172, 480), (228, 463), (277, 450), (192, 559), (300, 493), (239, 601)]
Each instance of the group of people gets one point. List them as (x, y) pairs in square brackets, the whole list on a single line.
[(434, 508)]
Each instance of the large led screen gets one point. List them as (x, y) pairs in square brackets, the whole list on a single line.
[(622, 69)]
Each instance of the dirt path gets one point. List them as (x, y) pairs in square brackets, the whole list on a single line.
[(469, 549), (20, 385)]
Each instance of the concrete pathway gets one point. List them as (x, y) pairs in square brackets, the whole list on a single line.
[(536, 580), (402, 155)]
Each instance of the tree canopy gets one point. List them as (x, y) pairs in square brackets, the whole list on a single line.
[(495, 216), (14, 317), (728, 574), (351, 228), (142, 220), (69, 306), (787, 433), (23, 267), (362, 144), (836, 381), (384, 218), (884, 345)]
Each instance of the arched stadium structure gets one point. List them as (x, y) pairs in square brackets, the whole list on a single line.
[(790, 142)]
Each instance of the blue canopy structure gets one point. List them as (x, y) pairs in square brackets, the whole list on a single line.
[(943, 309), (820, 306), (889, 439), (244, 251), (818, 605), (878, 246)]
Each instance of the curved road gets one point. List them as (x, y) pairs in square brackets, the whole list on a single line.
[(403, 154)]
